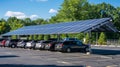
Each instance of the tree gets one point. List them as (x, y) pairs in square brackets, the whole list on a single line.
[(28, 21), (14, 23), (35, 37), (70, 10), (38, 21), (87, 39), (40, 37), (80, 36), (46, 37), (102, 39), (4, 27)]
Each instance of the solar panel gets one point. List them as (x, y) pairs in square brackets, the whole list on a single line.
[(60, 28)]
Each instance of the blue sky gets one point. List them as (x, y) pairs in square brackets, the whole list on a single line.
[(37, 8)]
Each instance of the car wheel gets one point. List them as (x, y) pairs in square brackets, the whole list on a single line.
[(25, 47), (88, 51), (13, 46), (68, 50)]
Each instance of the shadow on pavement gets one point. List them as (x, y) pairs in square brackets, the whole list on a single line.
[(105, 52), (8, 56), (13, 65)]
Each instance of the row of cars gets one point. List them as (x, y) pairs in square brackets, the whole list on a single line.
[(66, 45)]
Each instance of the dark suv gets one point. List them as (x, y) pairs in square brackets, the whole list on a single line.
[(13, 43), (69, 46)]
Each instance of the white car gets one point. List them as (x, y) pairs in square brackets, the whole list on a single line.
[(30, 44)]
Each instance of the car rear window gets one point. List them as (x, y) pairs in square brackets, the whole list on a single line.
[(72, 43)]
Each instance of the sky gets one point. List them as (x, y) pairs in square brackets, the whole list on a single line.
[(37, 8)]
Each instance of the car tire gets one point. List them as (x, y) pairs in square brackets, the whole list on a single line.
[(68, 50), (12, 46), (25, 47), (88, 51)]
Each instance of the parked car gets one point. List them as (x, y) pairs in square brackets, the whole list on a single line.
[(30, 44), (53, 39), (42, 44), (2, 42), (72, 45), (12, 43), (51, 46), (21, 43), (38, 44), (7, 42)]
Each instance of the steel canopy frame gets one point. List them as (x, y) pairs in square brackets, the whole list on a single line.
[(92, 25)]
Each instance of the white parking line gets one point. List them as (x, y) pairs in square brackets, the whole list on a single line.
[(106, 57), (112, 66), (64, 62), (8, 53)]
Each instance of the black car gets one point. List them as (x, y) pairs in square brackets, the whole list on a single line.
[(12, 43), (69, 46)]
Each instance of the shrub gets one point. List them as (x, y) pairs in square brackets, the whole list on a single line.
[(102, 39)]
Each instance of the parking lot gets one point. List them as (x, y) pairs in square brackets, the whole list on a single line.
[(101, 57)]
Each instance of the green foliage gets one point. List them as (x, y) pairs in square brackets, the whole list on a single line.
[(87, 39), (40, 37), (14, 37), (70, 10), (65, 35), (53, 36), (102, 39), (46, 37), (28, 22), (80, 36), (2, 27), (14, 23), (35, 37), (30, 37)]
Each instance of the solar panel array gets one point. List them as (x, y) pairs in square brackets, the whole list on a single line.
[(58, 28)]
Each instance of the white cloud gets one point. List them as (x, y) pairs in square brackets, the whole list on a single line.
[(19, 15), (39, 0), (52, 11), (34, 16)]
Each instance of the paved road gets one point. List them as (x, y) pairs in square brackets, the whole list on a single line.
[(101, 57)]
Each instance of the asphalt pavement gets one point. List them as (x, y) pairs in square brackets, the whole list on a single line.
[(100, 57)]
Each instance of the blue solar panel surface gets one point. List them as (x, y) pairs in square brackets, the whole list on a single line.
[(59, 28)]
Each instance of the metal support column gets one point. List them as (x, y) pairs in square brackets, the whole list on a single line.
[(96, 38), (58, 37), (89, 37)]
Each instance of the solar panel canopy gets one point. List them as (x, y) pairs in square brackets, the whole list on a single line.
[(92, 25)]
